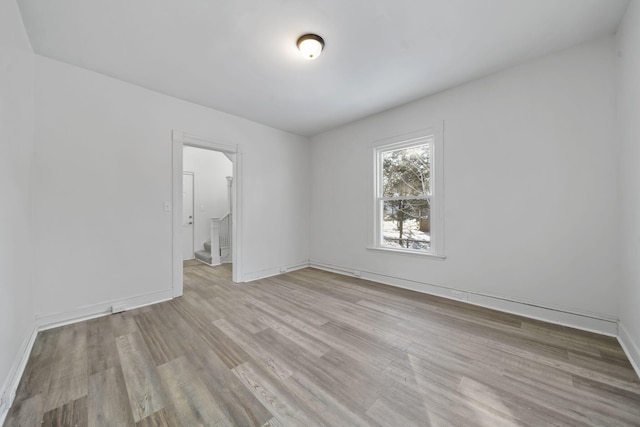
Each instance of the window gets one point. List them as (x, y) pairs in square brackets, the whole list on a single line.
[(408, 194)]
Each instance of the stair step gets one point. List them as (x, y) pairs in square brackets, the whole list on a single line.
[(204, 256), (207, 246)]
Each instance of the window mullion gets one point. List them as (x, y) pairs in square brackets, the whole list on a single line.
[(392, 199)]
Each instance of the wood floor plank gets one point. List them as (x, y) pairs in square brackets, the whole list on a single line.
[(556, 400), (385, 414), (302, 324), (238, 403), (37, 374), (162, 418), (432, 393), (102, 352), (287, 304), (123, 323), (70, 414), (274, 422), (624, 373), (304, 340), (164, 331), (421, 374), (143, 384), (327, 406), (629, 400), (349, 380), (25, 413), (359, 345), (404, 406), (69, 368), (234, 309), (193, 403), (313, 348), (228, 350), (108, 402), (278, 365), (530, 409), (275, 396)]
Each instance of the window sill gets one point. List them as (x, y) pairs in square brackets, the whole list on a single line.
[(408, 252)]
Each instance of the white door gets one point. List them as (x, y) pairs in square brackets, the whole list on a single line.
[(187, 215)]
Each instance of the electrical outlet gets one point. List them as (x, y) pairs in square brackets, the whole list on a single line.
[(459, 295), (118, 309)]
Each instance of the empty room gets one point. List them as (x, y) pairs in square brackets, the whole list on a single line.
[(294, 213)]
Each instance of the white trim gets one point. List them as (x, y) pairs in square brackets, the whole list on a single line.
[(588, 322), (631, 348), (592, 322), (269, 272), (8, 391), (54, 320), (407, 251), (179, 140), (437, 203), (50, 321), (176, 218)]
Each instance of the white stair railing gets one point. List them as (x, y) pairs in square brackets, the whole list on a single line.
[(225, 237), (221, 239), (215, 241)]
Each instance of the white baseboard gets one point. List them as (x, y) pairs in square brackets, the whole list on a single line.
[(269, 272), (591, 322), (49, 321), (630, 347), (8, 391), (585, 321)]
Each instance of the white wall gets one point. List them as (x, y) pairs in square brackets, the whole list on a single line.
[(628, 103), (530, 176), (210, 200), (16, 155), (539, 134), (103, 172)]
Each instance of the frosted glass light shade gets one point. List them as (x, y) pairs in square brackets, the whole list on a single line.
[(310, 46)]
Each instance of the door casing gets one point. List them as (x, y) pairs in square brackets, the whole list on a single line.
[(179, 140)]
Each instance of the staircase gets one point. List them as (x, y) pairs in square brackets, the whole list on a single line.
[(220, 251), (205, 255)]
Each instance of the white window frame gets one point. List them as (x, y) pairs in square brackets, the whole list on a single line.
[(433, 136)]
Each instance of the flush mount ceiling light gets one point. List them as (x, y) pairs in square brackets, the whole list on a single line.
[(310, 46)]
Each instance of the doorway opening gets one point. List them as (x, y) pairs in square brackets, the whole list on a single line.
[(207, 210), (206, 214)]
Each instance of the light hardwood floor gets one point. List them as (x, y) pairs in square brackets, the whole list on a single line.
[(314, 348)]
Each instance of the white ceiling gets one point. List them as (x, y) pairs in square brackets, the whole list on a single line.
[(239, 56)]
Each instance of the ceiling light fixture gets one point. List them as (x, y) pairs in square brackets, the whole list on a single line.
[(310, 46)]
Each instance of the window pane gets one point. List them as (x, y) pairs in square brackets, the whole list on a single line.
[(406, 172), (406, 224)]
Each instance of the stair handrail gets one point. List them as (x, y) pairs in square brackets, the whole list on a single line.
[(215, 241), (225, 231), (220, 237)]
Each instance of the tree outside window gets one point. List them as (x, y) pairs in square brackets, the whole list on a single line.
[(405, 197)]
